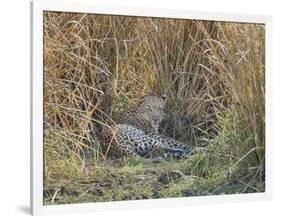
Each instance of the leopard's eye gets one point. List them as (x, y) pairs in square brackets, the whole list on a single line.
[(149, 108)]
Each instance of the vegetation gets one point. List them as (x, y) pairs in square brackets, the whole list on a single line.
[(213, 74)]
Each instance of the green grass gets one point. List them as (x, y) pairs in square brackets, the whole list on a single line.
[(212, 170)]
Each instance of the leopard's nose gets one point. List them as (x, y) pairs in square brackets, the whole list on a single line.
[(155, 120)]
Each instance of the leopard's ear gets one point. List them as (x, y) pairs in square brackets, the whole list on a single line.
[(164, 97)]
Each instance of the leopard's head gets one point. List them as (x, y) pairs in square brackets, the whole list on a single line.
[(151, 110)]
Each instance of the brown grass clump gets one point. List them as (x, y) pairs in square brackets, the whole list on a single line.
[(212, 72)]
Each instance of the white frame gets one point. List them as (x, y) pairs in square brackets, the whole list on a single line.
[(37, 8)]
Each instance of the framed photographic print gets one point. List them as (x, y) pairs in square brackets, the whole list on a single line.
[(147, 107)]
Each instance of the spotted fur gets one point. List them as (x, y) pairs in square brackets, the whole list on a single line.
[(137, 132), (147, 114)]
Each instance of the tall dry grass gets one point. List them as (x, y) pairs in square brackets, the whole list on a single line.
[(94, 65)]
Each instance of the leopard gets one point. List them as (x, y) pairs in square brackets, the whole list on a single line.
[(137, 132), (146, 115)]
